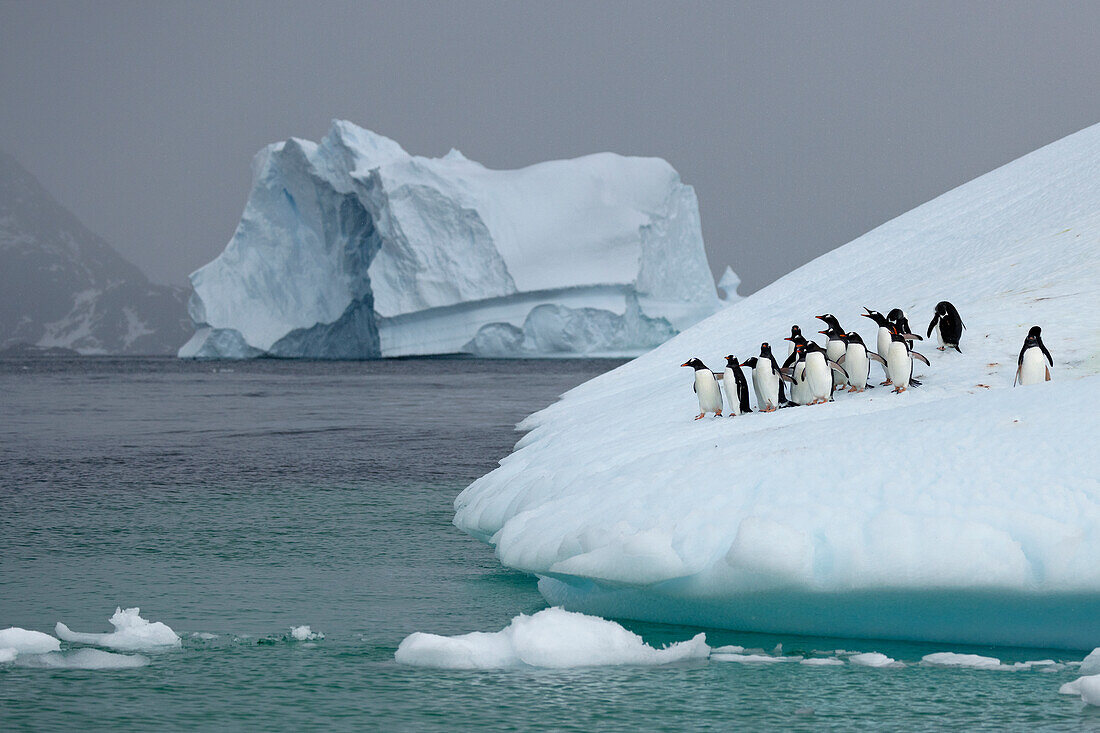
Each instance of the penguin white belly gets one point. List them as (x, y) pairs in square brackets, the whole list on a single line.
[(729, 383), (708, 391), (834, 350), (819, 382), (767, 385), (899, 365), (884, 341), (1033, 369), (939, 334), (799, 391), (857, 365)]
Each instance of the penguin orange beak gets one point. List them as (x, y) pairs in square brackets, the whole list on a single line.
[(821, 317), (788, 338), (686, 364), (865, 315), (824, 332)]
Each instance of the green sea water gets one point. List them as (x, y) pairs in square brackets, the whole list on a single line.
[(234, 501)]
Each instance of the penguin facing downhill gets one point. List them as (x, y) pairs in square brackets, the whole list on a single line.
[(706, 389), (766, 380), (795, 338), (1032, 366), (794, 371), (857, 362), (737, 387), (950, 326), (899, 361), (897, 319), (884, 335), (819, 382), (835, 346)]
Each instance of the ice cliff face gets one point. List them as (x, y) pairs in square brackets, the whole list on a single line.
[(961, 511), (63, 286), (352, 248)]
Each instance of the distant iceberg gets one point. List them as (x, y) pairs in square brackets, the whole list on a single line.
[(963, 511), (353, 248)]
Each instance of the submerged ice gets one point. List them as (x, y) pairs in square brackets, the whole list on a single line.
[(353, 248), (962, 511)]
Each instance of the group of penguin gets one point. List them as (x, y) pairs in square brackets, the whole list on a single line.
[(814, 373)]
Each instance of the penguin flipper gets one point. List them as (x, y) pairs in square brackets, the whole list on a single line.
[(837, 367), (915, 355), (875, 357), (932, 325), (841, 359), (1017, 377)]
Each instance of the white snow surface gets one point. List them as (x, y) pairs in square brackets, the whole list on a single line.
[(552, 638), (961, 511), (131, 632), (1087, 687), (26, 641), (353, 247)]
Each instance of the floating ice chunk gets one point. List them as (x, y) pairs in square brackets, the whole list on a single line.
[(25, 641), (822, 662), (552, 638), (752, 658), (874, 659), (728, 649), (1091, 664), (131, 632), (204, 635), (950, 659), (8, 654), (303, 633), (1087, 687), (84, 659)]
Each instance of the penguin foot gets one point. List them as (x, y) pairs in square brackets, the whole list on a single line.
[(899, 390), (718, 413), (883, 384), (701, 415), (940, 348)]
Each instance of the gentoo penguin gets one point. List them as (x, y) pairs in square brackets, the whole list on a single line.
[(737, 387), (835, 346), (897, 319), (819, 381), (1031, 367), (882, 344), (706, 389), (794, 339), (766, 380), (794, 371), (950, 326), (899, 361), (857, 362)]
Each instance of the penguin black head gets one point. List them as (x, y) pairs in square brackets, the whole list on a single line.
[(875, 316), (731, 361), (765, 350), (694, 364), (942, 308), (853, 338), (896, 314), (796, 332), (831, 321), (1035, 332)]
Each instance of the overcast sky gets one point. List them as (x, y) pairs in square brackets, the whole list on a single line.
[(801, 125)]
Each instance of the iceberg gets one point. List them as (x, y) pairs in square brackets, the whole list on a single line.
[(963, 511), (131, 632), (353, 248)]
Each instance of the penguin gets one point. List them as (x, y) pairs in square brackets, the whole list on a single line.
[(819, 382), (899, 361), (794, 371), (857, 362), (737, 387), (795, 338), (706, 388), (884, 336), (835, 346), (897, 319), (1030, 368), (950, 326), (766, 380)]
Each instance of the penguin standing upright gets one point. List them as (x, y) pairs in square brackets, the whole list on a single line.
[(706, 389), (1031, 367), (899, 362), (835, 346), (795, 338), (737, 387), (897, 319), (857, 362), (882, 344), (950, 326), (794, 371), (819, 382), (766, 380)]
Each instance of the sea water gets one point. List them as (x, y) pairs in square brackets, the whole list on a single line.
[(236, 501)]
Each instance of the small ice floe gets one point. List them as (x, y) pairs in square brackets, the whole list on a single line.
[(131, 632), (553, 638), (823, 662), (1089, 666), (203, 635), (976, 661), (752, 658), (25, 641), (874, 659), (84, 659), (1087, 687), (728, 649), (303, 633)]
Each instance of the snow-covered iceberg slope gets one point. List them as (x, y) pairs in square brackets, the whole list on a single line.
[(961, 511), (352, 248)]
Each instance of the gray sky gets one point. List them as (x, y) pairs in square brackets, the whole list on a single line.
[(800, 124)]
